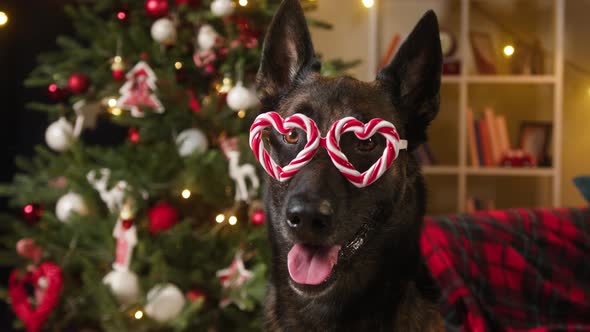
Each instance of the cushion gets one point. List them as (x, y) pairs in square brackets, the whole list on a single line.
[(583, 184)]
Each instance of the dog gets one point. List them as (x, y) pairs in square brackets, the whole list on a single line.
[(362, 269)]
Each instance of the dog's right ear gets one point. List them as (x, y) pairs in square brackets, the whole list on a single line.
[(287, 54)]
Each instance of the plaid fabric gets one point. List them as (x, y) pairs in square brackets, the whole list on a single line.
[(513, 270)]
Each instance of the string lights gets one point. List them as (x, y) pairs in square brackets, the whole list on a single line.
[(508, 50), (232, 220), (3, 19), (243, 3), (186, 194), (368, 3)]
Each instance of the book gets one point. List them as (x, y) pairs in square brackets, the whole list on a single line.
[(493, 139), (485, 142), (391, 49), (471, 136), (503, 133), (480, 157)]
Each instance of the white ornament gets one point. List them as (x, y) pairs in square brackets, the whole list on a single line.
[(207, 37), (164, 302), (86, 114), (241, 98), (164, 31), (239, 173), (68, 203), (126, 241), (60, 135), (222, 8), (112, 197), (139, 91), (124, 285), (190, 141)]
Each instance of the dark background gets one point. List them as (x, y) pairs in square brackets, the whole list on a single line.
[(32, 28)]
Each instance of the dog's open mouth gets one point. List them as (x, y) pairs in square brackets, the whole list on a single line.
[(312, 265)]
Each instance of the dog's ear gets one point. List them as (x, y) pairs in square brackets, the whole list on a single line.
[(287, 54), (413, 78)]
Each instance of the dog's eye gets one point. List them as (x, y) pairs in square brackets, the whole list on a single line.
[(366, 145), (292, 137)]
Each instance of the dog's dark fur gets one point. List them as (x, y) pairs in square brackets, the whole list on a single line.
[(383, 285)]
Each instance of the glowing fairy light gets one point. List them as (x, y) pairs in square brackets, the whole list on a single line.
[(508, 50), (368, 3)]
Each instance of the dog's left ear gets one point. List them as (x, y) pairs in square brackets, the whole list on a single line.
[(287, 54), (413, 78)]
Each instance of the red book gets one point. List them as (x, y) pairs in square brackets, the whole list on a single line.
[(493, 136), (485, 142), (393, 44)]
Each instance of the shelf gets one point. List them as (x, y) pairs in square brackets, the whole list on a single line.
[(511, 79), (501, 171), (499, 79), (451, 78), (440, 170)]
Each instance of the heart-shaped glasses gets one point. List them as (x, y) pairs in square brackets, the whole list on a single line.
[(331, 143)]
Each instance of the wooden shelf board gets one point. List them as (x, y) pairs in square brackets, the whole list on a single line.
[(451, 78), (511, 79), (440, 169), (501, 171)]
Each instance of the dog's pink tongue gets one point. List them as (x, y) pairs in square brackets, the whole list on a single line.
[(311, 265)]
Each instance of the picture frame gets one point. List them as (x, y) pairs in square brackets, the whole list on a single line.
[(484, 52), (535, 138)]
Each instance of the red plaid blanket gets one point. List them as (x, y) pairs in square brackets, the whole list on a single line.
[(512, 270)]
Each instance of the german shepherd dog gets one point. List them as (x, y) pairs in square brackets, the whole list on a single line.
[(348, 258)]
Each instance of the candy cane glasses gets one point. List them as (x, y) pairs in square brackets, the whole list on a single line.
[(331, 143)]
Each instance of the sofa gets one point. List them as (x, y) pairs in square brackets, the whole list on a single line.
[(511, 270)]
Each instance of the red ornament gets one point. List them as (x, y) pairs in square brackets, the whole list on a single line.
[(193, 102), (133, 135), (118, 74), (32, 213), (195, 295), (47, 282), (209, 69), (258, 217), (28, 249), (78, 83), (57, 94), (156, 8), (127, 223), (162, 216)]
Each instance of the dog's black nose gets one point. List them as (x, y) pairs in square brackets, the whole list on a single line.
[(307, 217)]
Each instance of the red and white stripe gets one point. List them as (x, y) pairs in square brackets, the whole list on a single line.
[(363, 132), (331, 143), (273, 119)]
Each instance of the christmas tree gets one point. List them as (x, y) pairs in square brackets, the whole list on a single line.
[(163, 231)]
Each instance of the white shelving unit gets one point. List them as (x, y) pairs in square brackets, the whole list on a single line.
[(463, 172)]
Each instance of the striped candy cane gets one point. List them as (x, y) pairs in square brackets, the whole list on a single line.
[(273, 119), (331, 143), (363, 132)]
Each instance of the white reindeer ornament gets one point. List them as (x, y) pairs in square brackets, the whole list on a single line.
[(112, 197), (237, 172)]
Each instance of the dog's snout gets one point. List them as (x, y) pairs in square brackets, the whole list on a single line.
[(308, 217)]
